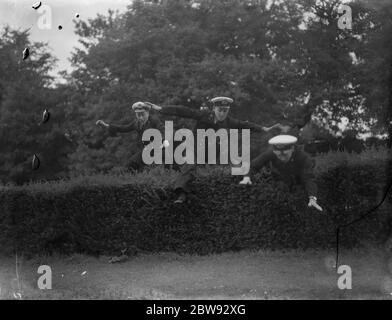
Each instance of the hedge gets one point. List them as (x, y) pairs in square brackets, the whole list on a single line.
[(220, 216)]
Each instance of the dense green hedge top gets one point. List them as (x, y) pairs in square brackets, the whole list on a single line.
[(159, 178), (105, 214)]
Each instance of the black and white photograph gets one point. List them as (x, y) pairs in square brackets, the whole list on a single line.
[(195, 156)]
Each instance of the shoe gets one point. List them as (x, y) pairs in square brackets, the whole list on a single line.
[(181, 199)]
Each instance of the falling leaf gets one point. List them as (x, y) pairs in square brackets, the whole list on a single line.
[(35, 164), (26, 53), (37, 5), (45, 116)]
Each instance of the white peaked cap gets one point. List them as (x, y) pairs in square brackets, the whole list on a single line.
[(222, 99), (283, 140), (140, 106)]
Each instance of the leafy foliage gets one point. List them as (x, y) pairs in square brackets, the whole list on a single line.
[(277, 59), (271, 58), (25, 93), (106, 216)]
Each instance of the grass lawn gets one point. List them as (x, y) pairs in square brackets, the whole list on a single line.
[(243, 275)]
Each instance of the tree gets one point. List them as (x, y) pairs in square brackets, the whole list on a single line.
[(273, 59), (24, 94)]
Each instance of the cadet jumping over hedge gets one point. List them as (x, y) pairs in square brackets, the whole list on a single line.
[(288, 162), (144, 121), (217, 118)]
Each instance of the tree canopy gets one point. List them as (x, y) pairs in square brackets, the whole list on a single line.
[(271, 57)]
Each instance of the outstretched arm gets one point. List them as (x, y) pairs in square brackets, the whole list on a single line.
[(240, 124), (307, 179), (275, 126), (257, 164), (113, 129), (178, 111), (262, 160)]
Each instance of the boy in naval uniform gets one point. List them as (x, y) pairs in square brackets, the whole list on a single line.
[(215, 119), (288, 163), (144, 121)]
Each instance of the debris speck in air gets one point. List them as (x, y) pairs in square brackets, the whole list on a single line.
[(26, 53), (60, 27), (68, 137), (37, 5), (17, 295), (45, 116), (35, 164)]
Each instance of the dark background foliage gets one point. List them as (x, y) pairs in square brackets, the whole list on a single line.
[(185, 52)]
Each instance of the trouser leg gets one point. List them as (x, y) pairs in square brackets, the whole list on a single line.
[(184, 180), (136, 162)]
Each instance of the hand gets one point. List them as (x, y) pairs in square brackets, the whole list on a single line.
[(246, 181), (284, 129), (165, 144), (153, 106), (101, 123), (265, 129), (313, 203)]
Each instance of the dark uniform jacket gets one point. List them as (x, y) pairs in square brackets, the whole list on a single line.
[(299, 170), (205, 119), (135, 126)]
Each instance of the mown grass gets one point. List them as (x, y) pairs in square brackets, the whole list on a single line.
[(246, 275)]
